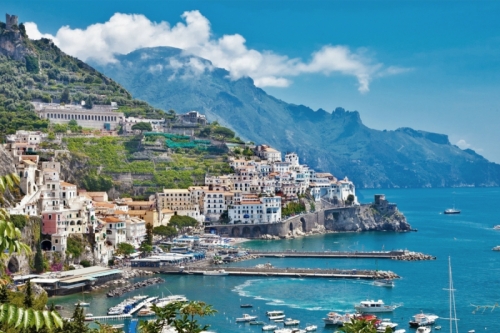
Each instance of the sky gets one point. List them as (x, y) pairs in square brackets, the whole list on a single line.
[(429, 65)]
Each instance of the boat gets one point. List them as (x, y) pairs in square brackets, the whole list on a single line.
[(382, 326), (275, 312), (423, 329), (83, 304), (291, 322), (423, 319), (437, 328), (371, 306), (452, 211), (246, 306), (146, 312), (161, 302), (246, 318), (277, 317), (118, 326), (334, 318), (311, 328), (279, 320), (219, 272), (384, 283), (497, 227), (88, 315), (256, 322), (269, 327), (496, 248)]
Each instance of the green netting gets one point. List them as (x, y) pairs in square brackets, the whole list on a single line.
[(168, 135)]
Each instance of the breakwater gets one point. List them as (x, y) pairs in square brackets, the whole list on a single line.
[(146, 283), (283, 272), (395, 255)]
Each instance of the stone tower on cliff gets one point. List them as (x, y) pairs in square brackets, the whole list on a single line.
[(10, 21)]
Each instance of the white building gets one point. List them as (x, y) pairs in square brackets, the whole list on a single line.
[(157, 125), (135, 231), (252, 209), (115, 230)]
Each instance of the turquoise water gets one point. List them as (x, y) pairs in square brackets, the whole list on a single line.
[(467, 238)]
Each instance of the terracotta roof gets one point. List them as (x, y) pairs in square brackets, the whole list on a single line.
[(137, 212), (140, 203), (67, 184), (28, 162), (104, 204), (111, 219), (166, 211)]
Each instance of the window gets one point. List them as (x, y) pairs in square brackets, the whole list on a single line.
[(57, 241)]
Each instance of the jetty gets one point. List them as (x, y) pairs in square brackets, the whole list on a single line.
[(142, 304), (281, 272), (394, 254), (115, 317)]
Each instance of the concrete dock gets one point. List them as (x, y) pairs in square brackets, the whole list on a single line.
[(279, 272), (329, 254)]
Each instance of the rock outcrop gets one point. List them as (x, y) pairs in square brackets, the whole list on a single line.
[(365, 218)]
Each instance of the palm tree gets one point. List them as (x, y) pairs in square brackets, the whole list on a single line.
[(12, 316)]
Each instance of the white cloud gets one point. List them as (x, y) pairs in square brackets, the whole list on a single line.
[(462, 144), (124, 33)]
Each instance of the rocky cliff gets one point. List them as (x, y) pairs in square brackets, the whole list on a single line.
[(365, 218)]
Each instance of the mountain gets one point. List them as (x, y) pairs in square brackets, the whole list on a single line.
[(338, 142)]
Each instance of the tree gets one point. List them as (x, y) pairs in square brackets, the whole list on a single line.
[(223, 132), (4, 297), (65, 96), (142, 126), (125, 249), (38, 261), (181, 222), (89, 102), (165, 231), (73, 122), (28, 296), (362, 326)]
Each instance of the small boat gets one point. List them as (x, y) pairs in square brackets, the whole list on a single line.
[(246, 318), (291, 322), (269, 327), (382, 326), (277, 317), (246, 306), (118, 326), (371, 306), (83, 304), (423, 319), (256, 322), (496, 248), (89, 315), (279, 320), (146, 312), (384, 283), (423, 329), (437, 328), (497, 227), (274, 312), (219, 272), (311, 328), (334, 318), (58, 307), (452, 211)]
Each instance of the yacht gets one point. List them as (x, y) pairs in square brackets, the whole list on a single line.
[(219, 272), (146, 312), (371, 306), (423, 319), (496, 248), (334, 318), (275, 312), (423, 329), (277, 317), (246, 318), (83, 304), (497, 227)]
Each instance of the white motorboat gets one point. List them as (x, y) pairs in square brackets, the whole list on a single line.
[(371, 306), (115, 312), (246, 318), (423, 329), (497, 227), (277, 317), (88, 315), (219, 272), (451, 211), (423, 319), (170, 299), (275, 312), (384, 283), (496, 248), (334, 318), (382, 326), (83, 304), (311, 328), (291, 322), (269, 327)]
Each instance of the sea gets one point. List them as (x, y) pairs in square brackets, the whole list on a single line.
[(466, 240)]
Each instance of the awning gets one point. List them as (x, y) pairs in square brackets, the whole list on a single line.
[(77, 285), (106, 273)]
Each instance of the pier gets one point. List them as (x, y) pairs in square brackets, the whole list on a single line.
[(280, 272), (142, 304), (116, 317), (329, 254)]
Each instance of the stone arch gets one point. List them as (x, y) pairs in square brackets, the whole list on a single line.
[(46, 245), (235, 232), (79, 222), (72, 223), (246, 232), (13, 265), (304, 224), (256, 232), (224, 231), (291, 226)]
